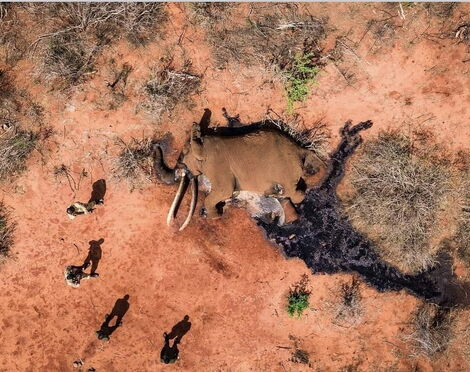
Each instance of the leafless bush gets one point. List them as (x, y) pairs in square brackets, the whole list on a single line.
[(7, 228), (300, 356), (398, 191), (15, 148), (135, 162), (167, 88), (132, 20), (4, 10), (69, 57), (440, 9), (12, 41), (350, 307), (431, 329), (80, 31), (207, 14), (314, 137), (462, 236), (270, 38), (463, 33)]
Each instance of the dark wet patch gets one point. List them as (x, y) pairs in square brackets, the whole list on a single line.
[(327, 242)]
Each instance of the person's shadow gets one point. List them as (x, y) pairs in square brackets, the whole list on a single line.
[(180, 328), (119, 310), (99, 190), (94, 254), (170, 354)]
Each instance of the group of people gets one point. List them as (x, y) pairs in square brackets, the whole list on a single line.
[(74, 274)]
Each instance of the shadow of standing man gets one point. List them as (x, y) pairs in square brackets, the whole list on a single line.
[(170, 354), (119, 310), (94, 254)]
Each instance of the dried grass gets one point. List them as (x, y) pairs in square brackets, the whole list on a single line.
[(431, 330), (349, 309), (271, 38), (15, 148), (399, 189), (135, 162), (167, 88), (7, 229)]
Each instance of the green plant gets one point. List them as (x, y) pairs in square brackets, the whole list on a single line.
[(299, 79), (7, 229), (298, 298)]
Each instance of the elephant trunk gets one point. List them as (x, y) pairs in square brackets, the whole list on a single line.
[(163, 172)]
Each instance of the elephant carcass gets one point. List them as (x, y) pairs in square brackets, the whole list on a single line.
[(242, 163)]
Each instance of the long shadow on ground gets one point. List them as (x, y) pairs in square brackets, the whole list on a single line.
[(328, 243)]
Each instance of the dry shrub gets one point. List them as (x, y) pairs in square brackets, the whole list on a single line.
[(431, 329), (135, 162), (399, 186), (271, 38), (300, 356), (167, 87), (207, 14), (13, 44), (80, 31), (462, 236), (7, 228), (315, 136), (15, 148), (442, 10), (349, 309)]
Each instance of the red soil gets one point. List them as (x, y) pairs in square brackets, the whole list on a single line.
[(222, 273)]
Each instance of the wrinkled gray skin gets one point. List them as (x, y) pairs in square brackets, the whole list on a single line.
[(253, 166)]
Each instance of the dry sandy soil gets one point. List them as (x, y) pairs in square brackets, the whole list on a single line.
[(222, 273)]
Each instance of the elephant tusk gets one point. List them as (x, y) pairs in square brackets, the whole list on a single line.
[(192, 207), (176, 201)]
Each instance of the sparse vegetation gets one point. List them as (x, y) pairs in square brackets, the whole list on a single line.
[(299, 78), (135, 162), (15, 148), (431, 329), (7, 228), (166, 88), (207, 14), (349, 308), (80, 32), (400, 184), (297, 300), (300, 356), (462, 236), (271, 39)]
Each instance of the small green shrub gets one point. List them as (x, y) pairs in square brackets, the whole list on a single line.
[(300, 78), (297, 301)]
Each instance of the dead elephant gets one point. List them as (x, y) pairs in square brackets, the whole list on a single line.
[(254, 165)]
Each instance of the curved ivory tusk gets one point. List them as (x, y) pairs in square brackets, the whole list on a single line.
[(192, 207), (176, 201)]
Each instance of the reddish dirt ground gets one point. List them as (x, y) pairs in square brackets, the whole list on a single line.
[(222, 273)]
